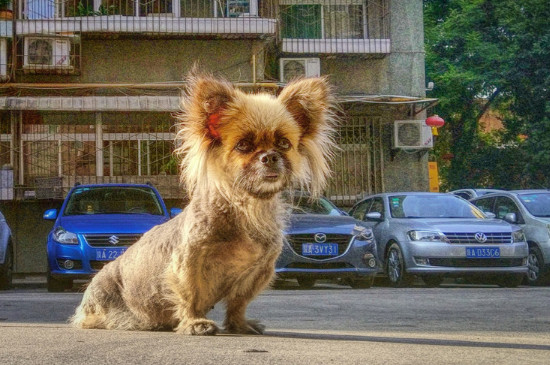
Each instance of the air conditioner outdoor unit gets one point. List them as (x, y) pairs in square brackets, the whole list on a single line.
[(291, 68), (47, 53), (412, 134)]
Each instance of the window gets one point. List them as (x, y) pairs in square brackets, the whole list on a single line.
[(377, 206), (486, 205), (505, 205), (360, 210), (325, 19)]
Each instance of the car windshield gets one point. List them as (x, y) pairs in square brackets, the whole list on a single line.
[(113, 200), (306, 205), (432, 206), (538, 204)]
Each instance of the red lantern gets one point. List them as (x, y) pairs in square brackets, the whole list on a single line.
[(435, 121)]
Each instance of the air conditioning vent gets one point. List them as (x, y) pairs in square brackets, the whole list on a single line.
[(412, 134), (291, 68), (47, 53)]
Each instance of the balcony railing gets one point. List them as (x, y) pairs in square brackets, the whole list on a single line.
[(177, 17), (334, 26)]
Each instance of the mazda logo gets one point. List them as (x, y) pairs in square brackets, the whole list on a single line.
[(480, 237), (113, 240), (320, 237)]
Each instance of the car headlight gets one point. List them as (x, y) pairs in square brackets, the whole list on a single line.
[(431, 236), (65, 237), (518, 236), (363, 233)]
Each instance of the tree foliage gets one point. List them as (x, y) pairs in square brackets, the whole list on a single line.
[(491, 55)]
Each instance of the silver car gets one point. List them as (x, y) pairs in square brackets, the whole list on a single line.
[(434, 235), (470, 194), (530, 209)]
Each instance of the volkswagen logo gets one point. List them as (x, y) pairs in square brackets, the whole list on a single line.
[(480, 237), (113, 240), (320, 237)]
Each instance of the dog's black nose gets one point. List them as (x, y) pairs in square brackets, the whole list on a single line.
[(269, 158)]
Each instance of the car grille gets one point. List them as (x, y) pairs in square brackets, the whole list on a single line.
[(296, 241), (469, 238), (503, 262), (107, 240)]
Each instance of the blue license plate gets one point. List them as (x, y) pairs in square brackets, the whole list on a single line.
[(319, 249), (106, 254), (482, 252)]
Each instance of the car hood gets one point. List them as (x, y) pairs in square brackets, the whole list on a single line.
[(461, 225), (315, 223), (110, 223)]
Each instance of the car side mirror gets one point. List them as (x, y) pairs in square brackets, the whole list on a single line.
[(374, 216), (490, 215), (511, 218), (175, 211), (50, 214)]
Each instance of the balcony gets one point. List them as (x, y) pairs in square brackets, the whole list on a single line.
[(334, 26), (245, 18)]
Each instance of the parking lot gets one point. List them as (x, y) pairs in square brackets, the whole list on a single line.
[(329, 324)]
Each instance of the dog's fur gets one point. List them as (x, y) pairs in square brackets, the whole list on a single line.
[(239, 152)]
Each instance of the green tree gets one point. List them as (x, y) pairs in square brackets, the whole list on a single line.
[(491, 55)]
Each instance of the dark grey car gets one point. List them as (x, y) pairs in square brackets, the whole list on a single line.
[(434, 235)]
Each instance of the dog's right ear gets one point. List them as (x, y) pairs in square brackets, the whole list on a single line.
[(206, 100)]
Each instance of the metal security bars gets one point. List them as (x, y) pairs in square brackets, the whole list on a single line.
[(175, 17), (46, 153), (53, 151), (334, 26), (357, 168)]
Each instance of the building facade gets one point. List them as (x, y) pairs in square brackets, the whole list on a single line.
[(90, 87)]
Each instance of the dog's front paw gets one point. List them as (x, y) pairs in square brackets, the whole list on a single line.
[(249, 327), (198, 327)]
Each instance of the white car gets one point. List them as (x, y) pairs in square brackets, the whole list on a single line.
[(433, 235)]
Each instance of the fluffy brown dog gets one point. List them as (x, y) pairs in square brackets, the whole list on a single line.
[(239, 152)]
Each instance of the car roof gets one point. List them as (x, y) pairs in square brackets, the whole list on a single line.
[(113, 185)]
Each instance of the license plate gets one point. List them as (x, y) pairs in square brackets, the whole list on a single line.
[(108, 253), (319, 249), (482, 252)]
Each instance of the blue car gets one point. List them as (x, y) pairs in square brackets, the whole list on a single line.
[(322, 242), (95, 225), (6, 254)]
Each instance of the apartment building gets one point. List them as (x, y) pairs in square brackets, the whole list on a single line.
[(90, 87)]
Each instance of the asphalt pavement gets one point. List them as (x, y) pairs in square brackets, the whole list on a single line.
[(330, 324)]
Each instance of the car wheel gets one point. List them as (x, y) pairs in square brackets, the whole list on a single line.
[(395, 267), (57, 285), (432, 281), (510, 280), (535, 263), (306, 283), (362, 283), (6, 269)]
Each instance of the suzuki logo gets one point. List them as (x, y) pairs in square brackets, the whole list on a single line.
[(480, 237), (113, 240), (320, 237)]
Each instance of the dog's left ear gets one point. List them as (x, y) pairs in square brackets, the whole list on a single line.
[(308, 100), (310, 103), (207, 100)]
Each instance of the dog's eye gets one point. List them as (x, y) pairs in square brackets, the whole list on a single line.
[(244, 146), (283, 144)]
